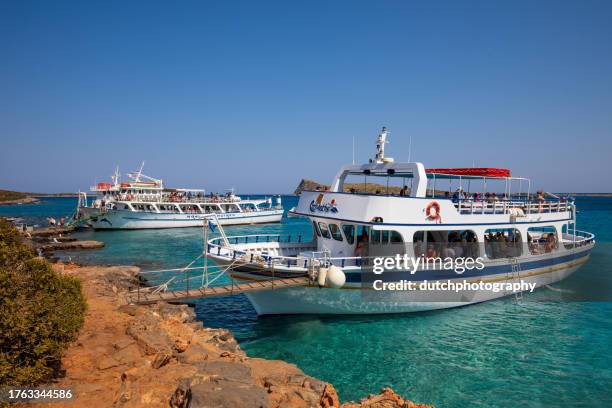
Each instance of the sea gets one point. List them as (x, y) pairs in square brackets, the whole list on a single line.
[(535, 352)]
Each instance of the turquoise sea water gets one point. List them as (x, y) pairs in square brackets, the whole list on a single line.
[(497, 354)]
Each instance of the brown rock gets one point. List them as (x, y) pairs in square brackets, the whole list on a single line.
[(182, 396), (386, 399), (123, 343), (107, 362), (149, 337), (158, 356), (227, 393), (194, 354), (160, 360), (129, 354)]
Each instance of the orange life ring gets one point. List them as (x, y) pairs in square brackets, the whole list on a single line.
[(433, 212)]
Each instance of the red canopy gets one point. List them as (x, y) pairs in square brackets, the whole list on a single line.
[(472, 171)]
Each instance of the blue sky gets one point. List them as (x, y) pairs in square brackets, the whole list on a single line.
[(256, 94)]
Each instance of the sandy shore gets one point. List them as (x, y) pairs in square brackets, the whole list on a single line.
[(160, 356)]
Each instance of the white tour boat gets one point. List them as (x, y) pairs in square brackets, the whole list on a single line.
[(143, 203), (518, 237)]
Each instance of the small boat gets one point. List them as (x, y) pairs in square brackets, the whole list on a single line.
[(514, 237), (144, 202)]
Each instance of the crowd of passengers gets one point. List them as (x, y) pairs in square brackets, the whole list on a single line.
[(500, 244), (459, 245), (175, 196), (459, 195)]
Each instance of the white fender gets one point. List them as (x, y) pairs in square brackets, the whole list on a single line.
[(322, 276), (335, 277)]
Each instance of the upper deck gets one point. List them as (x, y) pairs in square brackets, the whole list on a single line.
[(397, 210), (431, 196)]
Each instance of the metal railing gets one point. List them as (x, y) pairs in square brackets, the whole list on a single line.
[(520, 207), (216, 248)]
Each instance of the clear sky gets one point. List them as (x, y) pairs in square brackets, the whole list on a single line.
[(258, 94)]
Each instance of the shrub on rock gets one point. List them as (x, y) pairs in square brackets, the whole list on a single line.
[(41, 312)]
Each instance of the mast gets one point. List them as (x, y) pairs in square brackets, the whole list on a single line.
[(115, 177), (380, 148)]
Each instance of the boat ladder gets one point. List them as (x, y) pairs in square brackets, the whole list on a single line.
[(515, 276)]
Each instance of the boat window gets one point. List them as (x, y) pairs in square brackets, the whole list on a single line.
[(503, 243), (542, 240), (396, 238), (316, 229), (385, 237), (567, 235), (229, 207), (363, 234), (375, 238), (349, 233), (446, 244), (324, 230), (335, 232)]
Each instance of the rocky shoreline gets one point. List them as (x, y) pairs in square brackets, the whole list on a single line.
[(25, 200), (160, 356)]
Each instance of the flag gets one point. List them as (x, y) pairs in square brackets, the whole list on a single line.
[(212, 226)]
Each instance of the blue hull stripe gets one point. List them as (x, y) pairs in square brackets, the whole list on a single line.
[(355, 277)]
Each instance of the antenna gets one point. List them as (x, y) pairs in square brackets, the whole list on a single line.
[(115, 177), (353, 149), (140, 171)]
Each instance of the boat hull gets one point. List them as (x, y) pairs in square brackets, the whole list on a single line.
[(119, 219), (358, 299)]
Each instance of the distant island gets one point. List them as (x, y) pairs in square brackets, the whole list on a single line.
[(306, 184), (15, 197), (8, 197)]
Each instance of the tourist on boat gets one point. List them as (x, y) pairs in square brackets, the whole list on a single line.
[(457, 195), (447, 195), (403, 191), (418, 248), (551, 243), (431, 252), (362, 241)]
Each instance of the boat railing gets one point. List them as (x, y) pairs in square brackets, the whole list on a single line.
[(513, 206), (579, 238), (216, 247), (180, 200)]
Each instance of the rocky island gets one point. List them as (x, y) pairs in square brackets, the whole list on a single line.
[(14, 198)]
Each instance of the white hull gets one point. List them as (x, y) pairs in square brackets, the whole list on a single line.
[(119, 219), (314, 300)]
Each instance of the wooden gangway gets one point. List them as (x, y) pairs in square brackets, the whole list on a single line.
[(142, 297)]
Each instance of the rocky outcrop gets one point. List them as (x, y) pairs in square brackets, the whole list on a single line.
[(51, 231), (71, 245), (369, 188), (159, 356), (309, 185), (387, 398), (15, 197)]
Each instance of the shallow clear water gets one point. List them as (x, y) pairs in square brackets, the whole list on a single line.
[(500, 353)]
